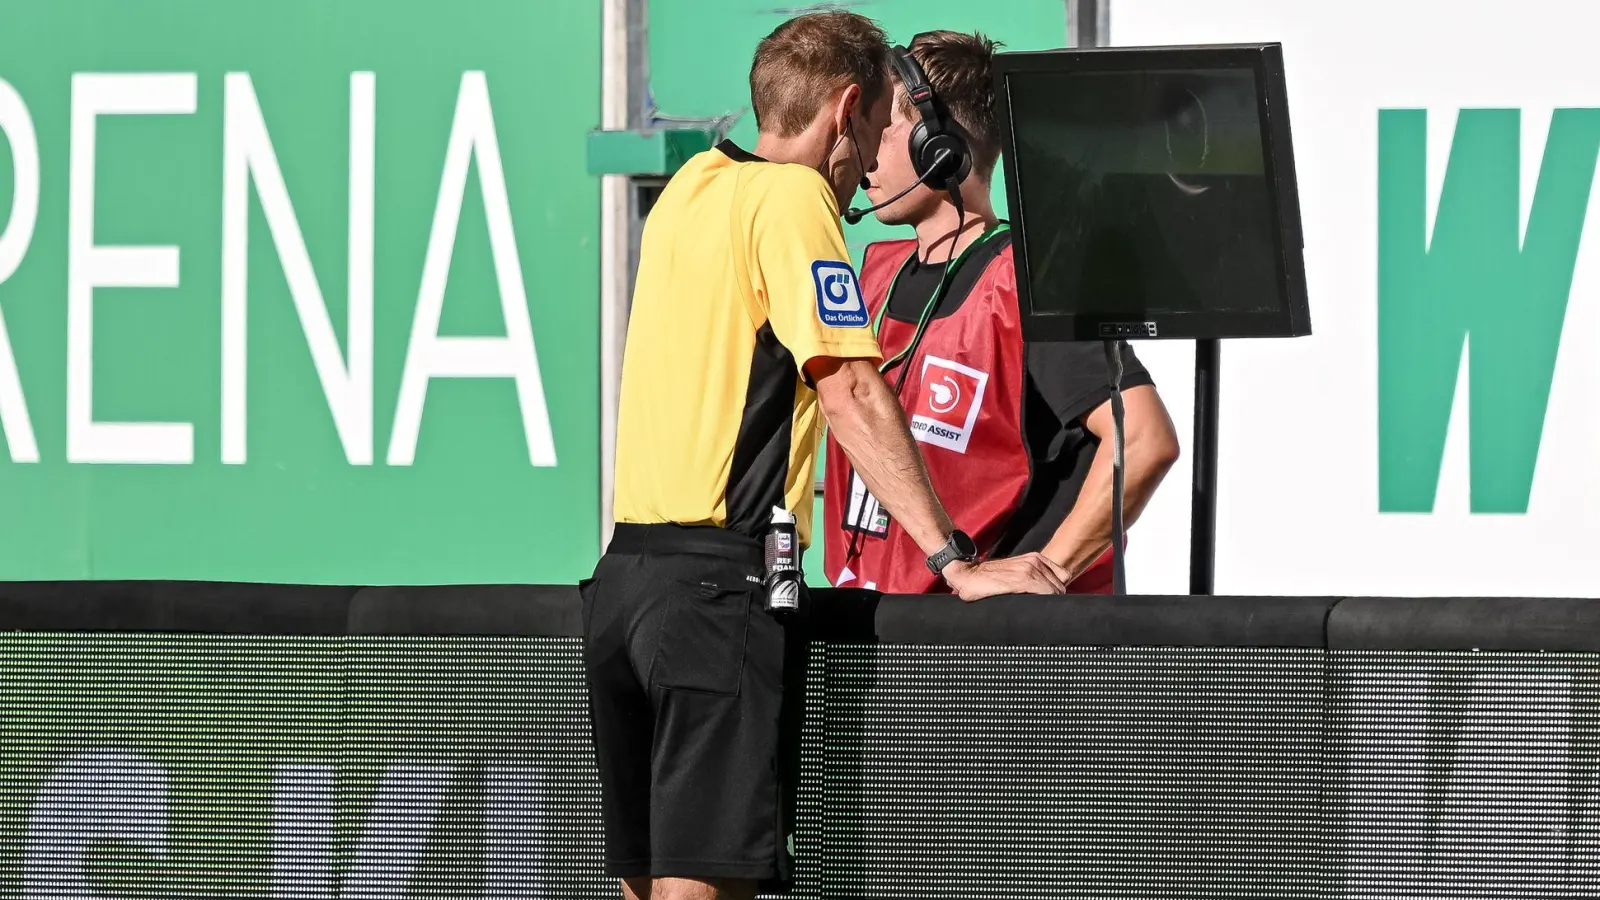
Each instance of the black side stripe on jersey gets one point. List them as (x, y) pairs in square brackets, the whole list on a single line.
[(761, 450)]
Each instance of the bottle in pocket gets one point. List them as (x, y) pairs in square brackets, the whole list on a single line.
[(783, 563)]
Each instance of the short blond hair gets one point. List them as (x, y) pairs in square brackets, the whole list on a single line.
[(806, 60)]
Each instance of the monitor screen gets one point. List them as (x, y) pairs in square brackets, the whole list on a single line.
[(1145, 194)]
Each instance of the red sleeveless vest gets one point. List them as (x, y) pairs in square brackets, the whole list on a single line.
[(963, 397)]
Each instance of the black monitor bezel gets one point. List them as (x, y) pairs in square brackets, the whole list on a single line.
[(1265, 61)]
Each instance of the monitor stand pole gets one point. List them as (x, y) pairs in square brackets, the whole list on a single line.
[(1203, 509)]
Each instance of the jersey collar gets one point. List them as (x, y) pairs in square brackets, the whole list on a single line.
[(737, 153)]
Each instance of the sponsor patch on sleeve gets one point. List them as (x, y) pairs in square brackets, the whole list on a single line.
[(838, 295)]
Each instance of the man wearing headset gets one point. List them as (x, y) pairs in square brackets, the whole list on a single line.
[(1015, 437)]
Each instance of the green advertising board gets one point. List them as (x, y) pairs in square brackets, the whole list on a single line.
[(299, 291), (249, 767), (308, 292)]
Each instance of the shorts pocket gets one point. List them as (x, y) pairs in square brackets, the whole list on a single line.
[(702, 642)]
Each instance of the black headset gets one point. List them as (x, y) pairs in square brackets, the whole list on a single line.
[(939, 147), (938, 132)]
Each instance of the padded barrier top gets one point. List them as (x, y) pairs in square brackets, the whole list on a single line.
[(839, 616)]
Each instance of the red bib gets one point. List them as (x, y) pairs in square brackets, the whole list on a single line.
[(963, 397)]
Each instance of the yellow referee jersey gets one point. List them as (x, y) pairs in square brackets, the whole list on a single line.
[(743, 279)]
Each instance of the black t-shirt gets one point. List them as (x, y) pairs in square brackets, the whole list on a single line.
[(1065, 382)]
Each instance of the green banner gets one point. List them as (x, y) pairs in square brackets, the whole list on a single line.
[(299, 291), (256, 767)]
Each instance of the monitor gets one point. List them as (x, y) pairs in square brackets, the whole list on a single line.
[(1152, 192)]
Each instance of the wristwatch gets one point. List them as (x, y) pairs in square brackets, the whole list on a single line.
[(956, 547)]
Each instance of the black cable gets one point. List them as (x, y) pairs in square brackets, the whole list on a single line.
[(908, 355), (910, 352), (850, 125), (1119, 572)]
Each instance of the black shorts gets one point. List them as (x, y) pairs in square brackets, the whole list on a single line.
[(686, 673)]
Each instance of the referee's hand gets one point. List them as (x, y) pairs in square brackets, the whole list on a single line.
[(1030, 573)]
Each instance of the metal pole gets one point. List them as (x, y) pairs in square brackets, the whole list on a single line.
[(1088, 23), (1203, 499), (625, 75)]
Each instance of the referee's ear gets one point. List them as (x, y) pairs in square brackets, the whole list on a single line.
[(848, 104)]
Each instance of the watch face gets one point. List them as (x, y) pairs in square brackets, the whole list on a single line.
[(965, 546)]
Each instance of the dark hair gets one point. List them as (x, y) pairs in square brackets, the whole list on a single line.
[(806, 60), (960, 69)]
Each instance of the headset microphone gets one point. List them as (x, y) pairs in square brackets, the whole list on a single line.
[(853, 216)]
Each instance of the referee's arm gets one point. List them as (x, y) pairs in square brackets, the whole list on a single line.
[(796, 225), (870, 427)]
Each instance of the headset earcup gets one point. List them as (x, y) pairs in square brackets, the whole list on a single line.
[(964, 154), (932, 144), (921, 161)]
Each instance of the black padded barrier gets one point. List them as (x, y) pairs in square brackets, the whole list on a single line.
[(466, 610), (227, 741), (1465, 623), (167, 606), (1260, 622)]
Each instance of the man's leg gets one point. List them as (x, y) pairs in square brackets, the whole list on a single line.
[(690, 889), (620, 716), (686, 889), (717, 686)]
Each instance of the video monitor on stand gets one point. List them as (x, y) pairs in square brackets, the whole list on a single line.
[(1152, 196)]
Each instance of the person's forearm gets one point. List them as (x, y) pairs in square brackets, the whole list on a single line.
[(1086, 531), (871, 429)]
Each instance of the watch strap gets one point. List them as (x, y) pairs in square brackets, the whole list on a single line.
[(952, 551)]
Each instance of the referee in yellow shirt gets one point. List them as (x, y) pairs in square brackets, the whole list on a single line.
[(746, 318)]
